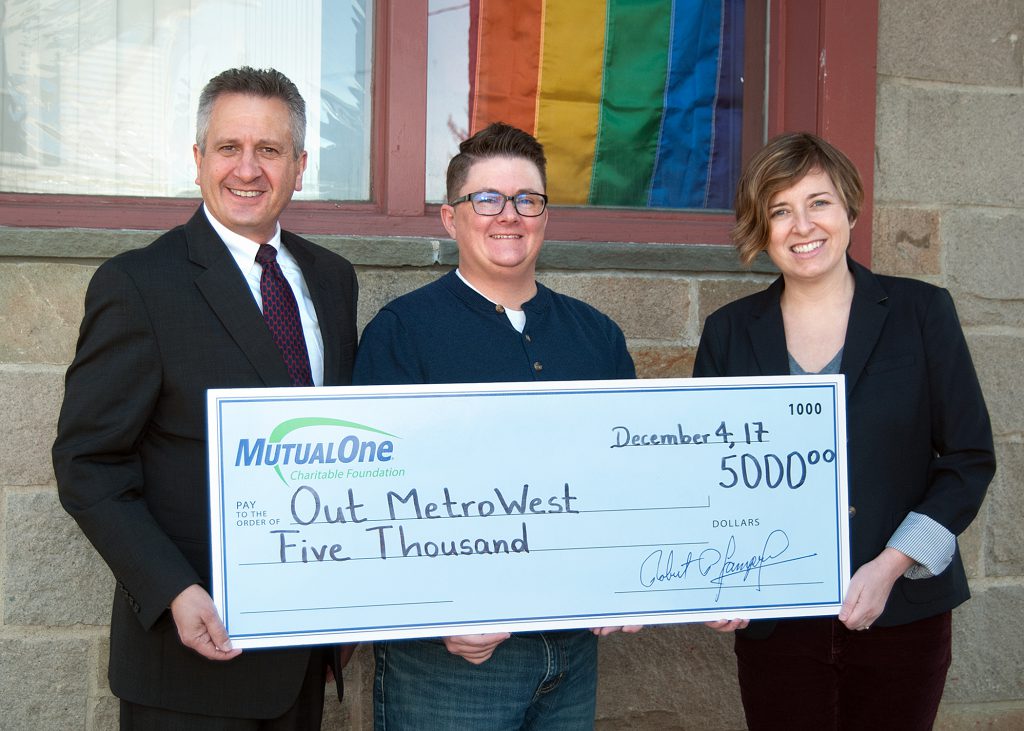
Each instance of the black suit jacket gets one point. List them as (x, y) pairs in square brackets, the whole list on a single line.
[(162, 325), (918, 432)]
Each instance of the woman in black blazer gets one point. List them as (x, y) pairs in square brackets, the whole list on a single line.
[(919, 446)]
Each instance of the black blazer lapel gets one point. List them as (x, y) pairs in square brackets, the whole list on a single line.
[(225, 290), (868, 312), (323, 288), (768, 334)]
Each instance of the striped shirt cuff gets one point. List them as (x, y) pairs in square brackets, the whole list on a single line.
[(927, 542)]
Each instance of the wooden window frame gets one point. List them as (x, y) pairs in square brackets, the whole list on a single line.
[(820, 77)]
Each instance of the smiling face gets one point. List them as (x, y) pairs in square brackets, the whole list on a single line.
[(249, 170), (502, 248), (809, 229)]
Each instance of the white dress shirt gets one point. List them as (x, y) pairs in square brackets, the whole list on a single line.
[(244, 252)]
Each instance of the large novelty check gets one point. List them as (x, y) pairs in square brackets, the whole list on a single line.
[(345, 514)]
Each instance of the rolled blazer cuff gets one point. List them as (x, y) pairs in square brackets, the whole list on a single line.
[(929, 543)]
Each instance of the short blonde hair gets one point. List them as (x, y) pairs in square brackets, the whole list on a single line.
[(778, 165)]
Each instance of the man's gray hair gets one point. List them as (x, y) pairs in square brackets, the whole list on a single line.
[(266, 83)]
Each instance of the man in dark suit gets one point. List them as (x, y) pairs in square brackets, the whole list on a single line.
[(192, 311)]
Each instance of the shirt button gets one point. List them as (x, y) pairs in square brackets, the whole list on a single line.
[(528, 338), (537, 366), (499, 309), (853, 511)]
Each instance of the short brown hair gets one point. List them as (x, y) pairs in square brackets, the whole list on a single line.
[(778, 165), (495, 140)]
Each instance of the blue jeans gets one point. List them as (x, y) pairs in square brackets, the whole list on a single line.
[(543, 681)]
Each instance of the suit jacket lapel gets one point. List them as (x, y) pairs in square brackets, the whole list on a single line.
[(225, 290), (867, 317), (768, 334), (328, 308)]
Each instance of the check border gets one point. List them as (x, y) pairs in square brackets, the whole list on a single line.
[(227, 584)]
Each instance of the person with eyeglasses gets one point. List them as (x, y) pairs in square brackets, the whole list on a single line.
[(490, 320)]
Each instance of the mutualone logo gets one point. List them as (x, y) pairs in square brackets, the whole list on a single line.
[(282, 448)]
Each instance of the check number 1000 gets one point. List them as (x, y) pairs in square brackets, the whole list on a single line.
[(771, 470), (805, 409)]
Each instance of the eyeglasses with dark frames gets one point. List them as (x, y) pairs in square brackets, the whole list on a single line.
[(491, 202)]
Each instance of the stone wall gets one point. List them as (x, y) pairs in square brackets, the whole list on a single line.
[(949, 202)]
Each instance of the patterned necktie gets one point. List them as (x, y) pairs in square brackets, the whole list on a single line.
[(282, 316)]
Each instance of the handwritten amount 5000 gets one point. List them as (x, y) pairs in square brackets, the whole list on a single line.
[(771, 470)]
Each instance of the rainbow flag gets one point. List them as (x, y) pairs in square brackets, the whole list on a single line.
[(637, 102)]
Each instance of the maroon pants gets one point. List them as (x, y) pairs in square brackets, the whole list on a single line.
[(815, 674)]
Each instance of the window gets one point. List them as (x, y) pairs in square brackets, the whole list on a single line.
[(818, 73), (637, 104), (99, 96)]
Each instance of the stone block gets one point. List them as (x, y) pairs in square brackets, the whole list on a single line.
[(106, 714), (955, 146), (714, 293), (42, 683), (957, 717), (53, 575), (71, 243), (105, 707), (997, 360), (103, 662), (40, 311), (979, 310), (972, 541), (30, 399), (592, 256), (985, 271), (1004, 530), (662, 361), (655, 307), (356, 713), (385, 251), (983, 252), (671, 677), (988, 652), (954, 41), (377, 287), (906, 241)]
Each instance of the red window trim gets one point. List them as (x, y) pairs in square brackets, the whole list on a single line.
[(828, 87), (821, 77)]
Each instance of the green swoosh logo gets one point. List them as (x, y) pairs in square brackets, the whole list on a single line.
[(287, 427)]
